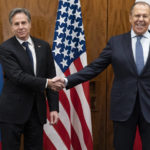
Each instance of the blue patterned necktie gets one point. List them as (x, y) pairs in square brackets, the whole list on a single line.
[(25, 44), (139, 55)]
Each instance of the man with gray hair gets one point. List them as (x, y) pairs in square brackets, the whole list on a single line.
[(28, 71)]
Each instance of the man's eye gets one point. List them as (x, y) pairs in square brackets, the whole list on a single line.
[(145, 16), (23, 23), (137, 16), (16, 24)]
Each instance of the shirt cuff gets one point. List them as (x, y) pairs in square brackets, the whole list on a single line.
[(46, 83), (66, 81)]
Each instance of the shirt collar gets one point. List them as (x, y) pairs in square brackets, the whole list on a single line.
[(29, 40), (146, 34)]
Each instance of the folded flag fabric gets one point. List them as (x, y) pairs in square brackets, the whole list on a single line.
[(73, 131)]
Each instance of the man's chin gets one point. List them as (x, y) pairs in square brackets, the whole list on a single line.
[(22, 37), (140, 31)]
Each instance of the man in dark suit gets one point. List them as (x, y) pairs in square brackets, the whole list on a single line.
[(130, 96), (28, 69)]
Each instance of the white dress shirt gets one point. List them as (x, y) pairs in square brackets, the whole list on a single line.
[(31, 47), (145, 41)]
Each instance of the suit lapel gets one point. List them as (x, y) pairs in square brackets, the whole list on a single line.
[(22, 54), (147, 62), (37, 47), (127, 44)]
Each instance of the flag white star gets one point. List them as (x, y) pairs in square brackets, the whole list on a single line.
[(62, 10), (75, 24), (81, 37), (65, 53), (70, 12), (61, 20), (71, 55), (60, 30), (72, 44), (64, 63), (78, 14), (78, 4), (82, 29), (74, 34), (71, 2), (80, 48), (58, 41), (66, 43), (67, 32), (57, 51)]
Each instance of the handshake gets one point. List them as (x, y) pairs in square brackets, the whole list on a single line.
[(56, 83)]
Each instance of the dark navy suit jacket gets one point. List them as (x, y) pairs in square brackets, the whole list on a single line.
[(127, 82), (22, 88)]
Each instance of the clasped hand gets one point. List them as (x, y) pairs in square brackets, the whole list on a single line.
[(56, 83)]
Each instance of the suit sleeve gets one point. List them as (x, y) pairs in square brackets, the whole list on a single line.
[(93, 69), (52, 96), (13, 72)]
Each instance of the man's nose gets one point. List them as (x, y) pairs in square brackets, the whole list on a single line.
[(141, 18), (20, 25)]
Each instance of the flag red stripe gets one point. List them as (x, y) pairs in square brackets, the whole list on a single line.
[(48, 145), (74, 137), (78, 64), (77, 104), (67, 72), (86, 89), (60, 129), (85, 85), (75, 141), (65, 102), (66, 105), (137, 141)]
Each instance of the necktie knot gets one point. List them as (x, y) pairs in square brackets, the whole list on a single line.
[(25, 44), (139, 37)]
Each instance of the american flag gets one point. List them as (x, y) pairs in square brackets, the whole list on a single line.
[(73, 131)]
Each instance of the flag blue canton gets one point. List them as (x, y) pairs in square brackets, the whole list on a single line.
[(69, 40)]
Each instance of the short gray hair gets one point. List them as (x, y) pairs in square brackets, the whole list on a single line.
[(136, 3), (19, 10)]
